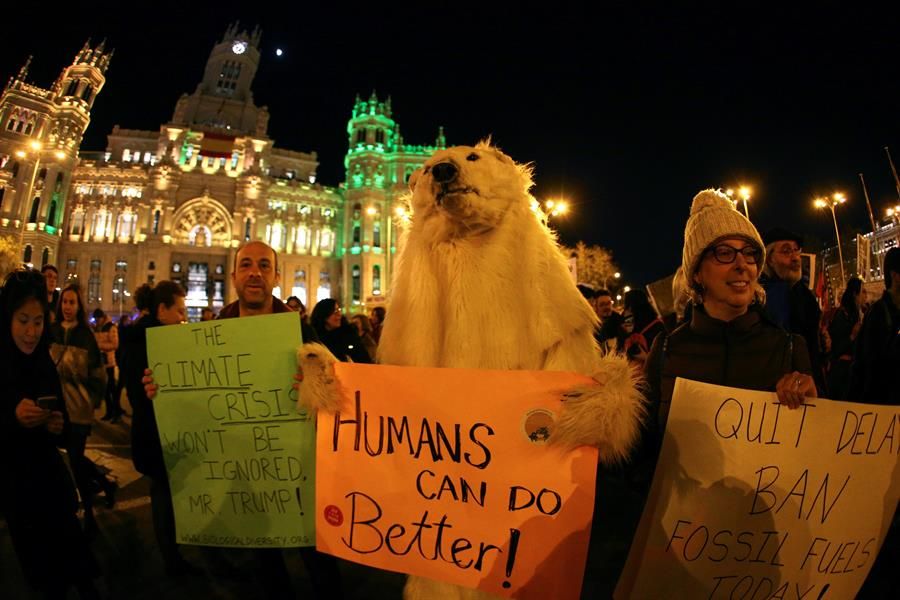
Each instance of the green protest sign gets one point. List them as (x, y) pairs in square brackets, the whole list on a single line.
[(240, 458)]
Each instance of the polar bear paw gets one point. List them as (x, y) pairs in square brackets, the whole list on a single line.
[(606, 415), (319, 389)]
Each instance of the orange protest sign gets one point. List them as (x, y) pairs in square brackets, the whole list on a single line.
[(446, 474)]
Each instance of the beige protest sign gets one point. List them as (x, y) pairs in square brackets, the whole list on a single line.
[(446, 473), (753, 500)]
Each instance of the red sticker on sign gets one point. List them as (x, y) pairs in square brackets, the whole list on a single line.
[(333, 515)]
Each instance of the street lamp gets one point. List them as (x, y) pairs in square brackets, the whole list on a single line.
[(121, 299), (894, 213), (744, 193), (836, 199), (555, 208)]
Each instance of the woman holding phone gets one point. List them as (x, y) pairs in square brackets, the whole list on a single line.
[(36, 493)]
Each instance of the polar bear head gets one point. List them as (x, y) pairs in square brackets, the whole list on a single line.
[(466, 191)]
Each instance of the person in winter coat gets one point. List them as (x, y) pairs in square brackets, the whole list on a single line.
[(336, 333), (37, 496), (877, 353), (641, 325), (842, 332), (166, 308), (789, 302), (364, 330), (83, 378), (729, 340), (107, 334)]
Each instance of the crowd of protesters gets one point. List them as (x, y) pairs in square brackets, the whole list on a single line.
[(744, 319)]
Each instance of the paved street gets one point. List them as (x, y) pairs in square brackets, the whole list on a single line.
[(127, 552)]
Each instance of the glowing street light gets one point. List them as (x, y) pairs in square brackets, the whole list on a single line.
[(555, 208), (836, 199), (744, 193)]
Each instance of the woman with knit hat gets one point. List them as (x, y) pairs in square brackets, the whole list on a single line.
[(729, 340)]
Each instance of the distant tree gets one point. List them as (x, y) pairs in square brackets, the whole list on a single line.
[(10, 255), (595, 265)]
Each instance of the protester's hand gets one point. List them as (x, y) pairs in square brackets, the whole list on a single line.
[(29, 414), (55, 422), (149, 386), (298, 378), (793, 387)]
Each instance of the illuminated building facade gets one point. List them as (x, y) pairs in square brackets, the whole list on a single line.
[(177, 202)]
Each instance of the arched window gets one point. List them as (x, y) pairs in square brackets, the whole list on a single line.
[(73, 88), (302, 240), (126, 224), (200, 235), (51, 214), (86, 93), (324, 291), (326, 241), (376, 232), (15, 169), (376, 280), (45, 256), (35, 206), (77, 222), (356, 284), (247, 224), (274, 234), (94, 282), (101, 223), (357, 228), (156, 216), (26, 256), (59, 183), (299, 288)]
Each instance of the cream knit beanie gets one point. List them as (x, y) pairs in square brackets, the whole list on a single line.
[(714, 217)]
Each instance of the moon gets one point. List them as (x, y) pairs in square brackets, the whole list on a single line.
[(278, 52)]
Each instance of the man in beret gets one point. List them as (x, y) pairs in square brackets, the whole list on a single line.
[(789, 302)]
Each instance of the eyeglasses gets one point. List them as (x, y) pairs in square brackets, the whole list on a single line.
[(789, 250), (725, 254)]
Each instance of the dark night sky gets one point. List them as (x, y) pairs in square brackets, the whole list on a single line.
[(627, 110)]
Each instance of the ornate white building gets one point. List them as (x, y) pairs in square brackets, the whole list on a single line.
[(176, 203)]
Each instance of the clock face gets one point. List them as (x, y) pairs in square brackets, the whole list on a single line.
[(239, 47)]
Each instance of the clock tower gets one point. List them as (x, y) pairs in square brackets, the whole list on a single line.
[(223, 100), (232, 65)]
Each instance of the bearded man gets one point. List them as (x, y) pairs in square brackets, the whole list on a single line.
[(789, 301)]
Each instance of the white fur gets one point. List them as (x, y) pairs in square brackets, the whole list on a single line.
[(480, 283), (319, 389)]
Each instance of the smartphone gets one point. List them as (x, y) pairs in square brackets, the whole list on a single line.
[(47, 402)]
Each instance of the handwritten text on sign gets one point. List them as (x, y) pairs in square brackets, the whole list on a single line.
[(241, 460), (444, 473), (753, 500)]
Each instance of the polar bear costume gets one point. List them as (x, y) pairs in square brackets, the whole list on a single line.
[(480, 283)]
